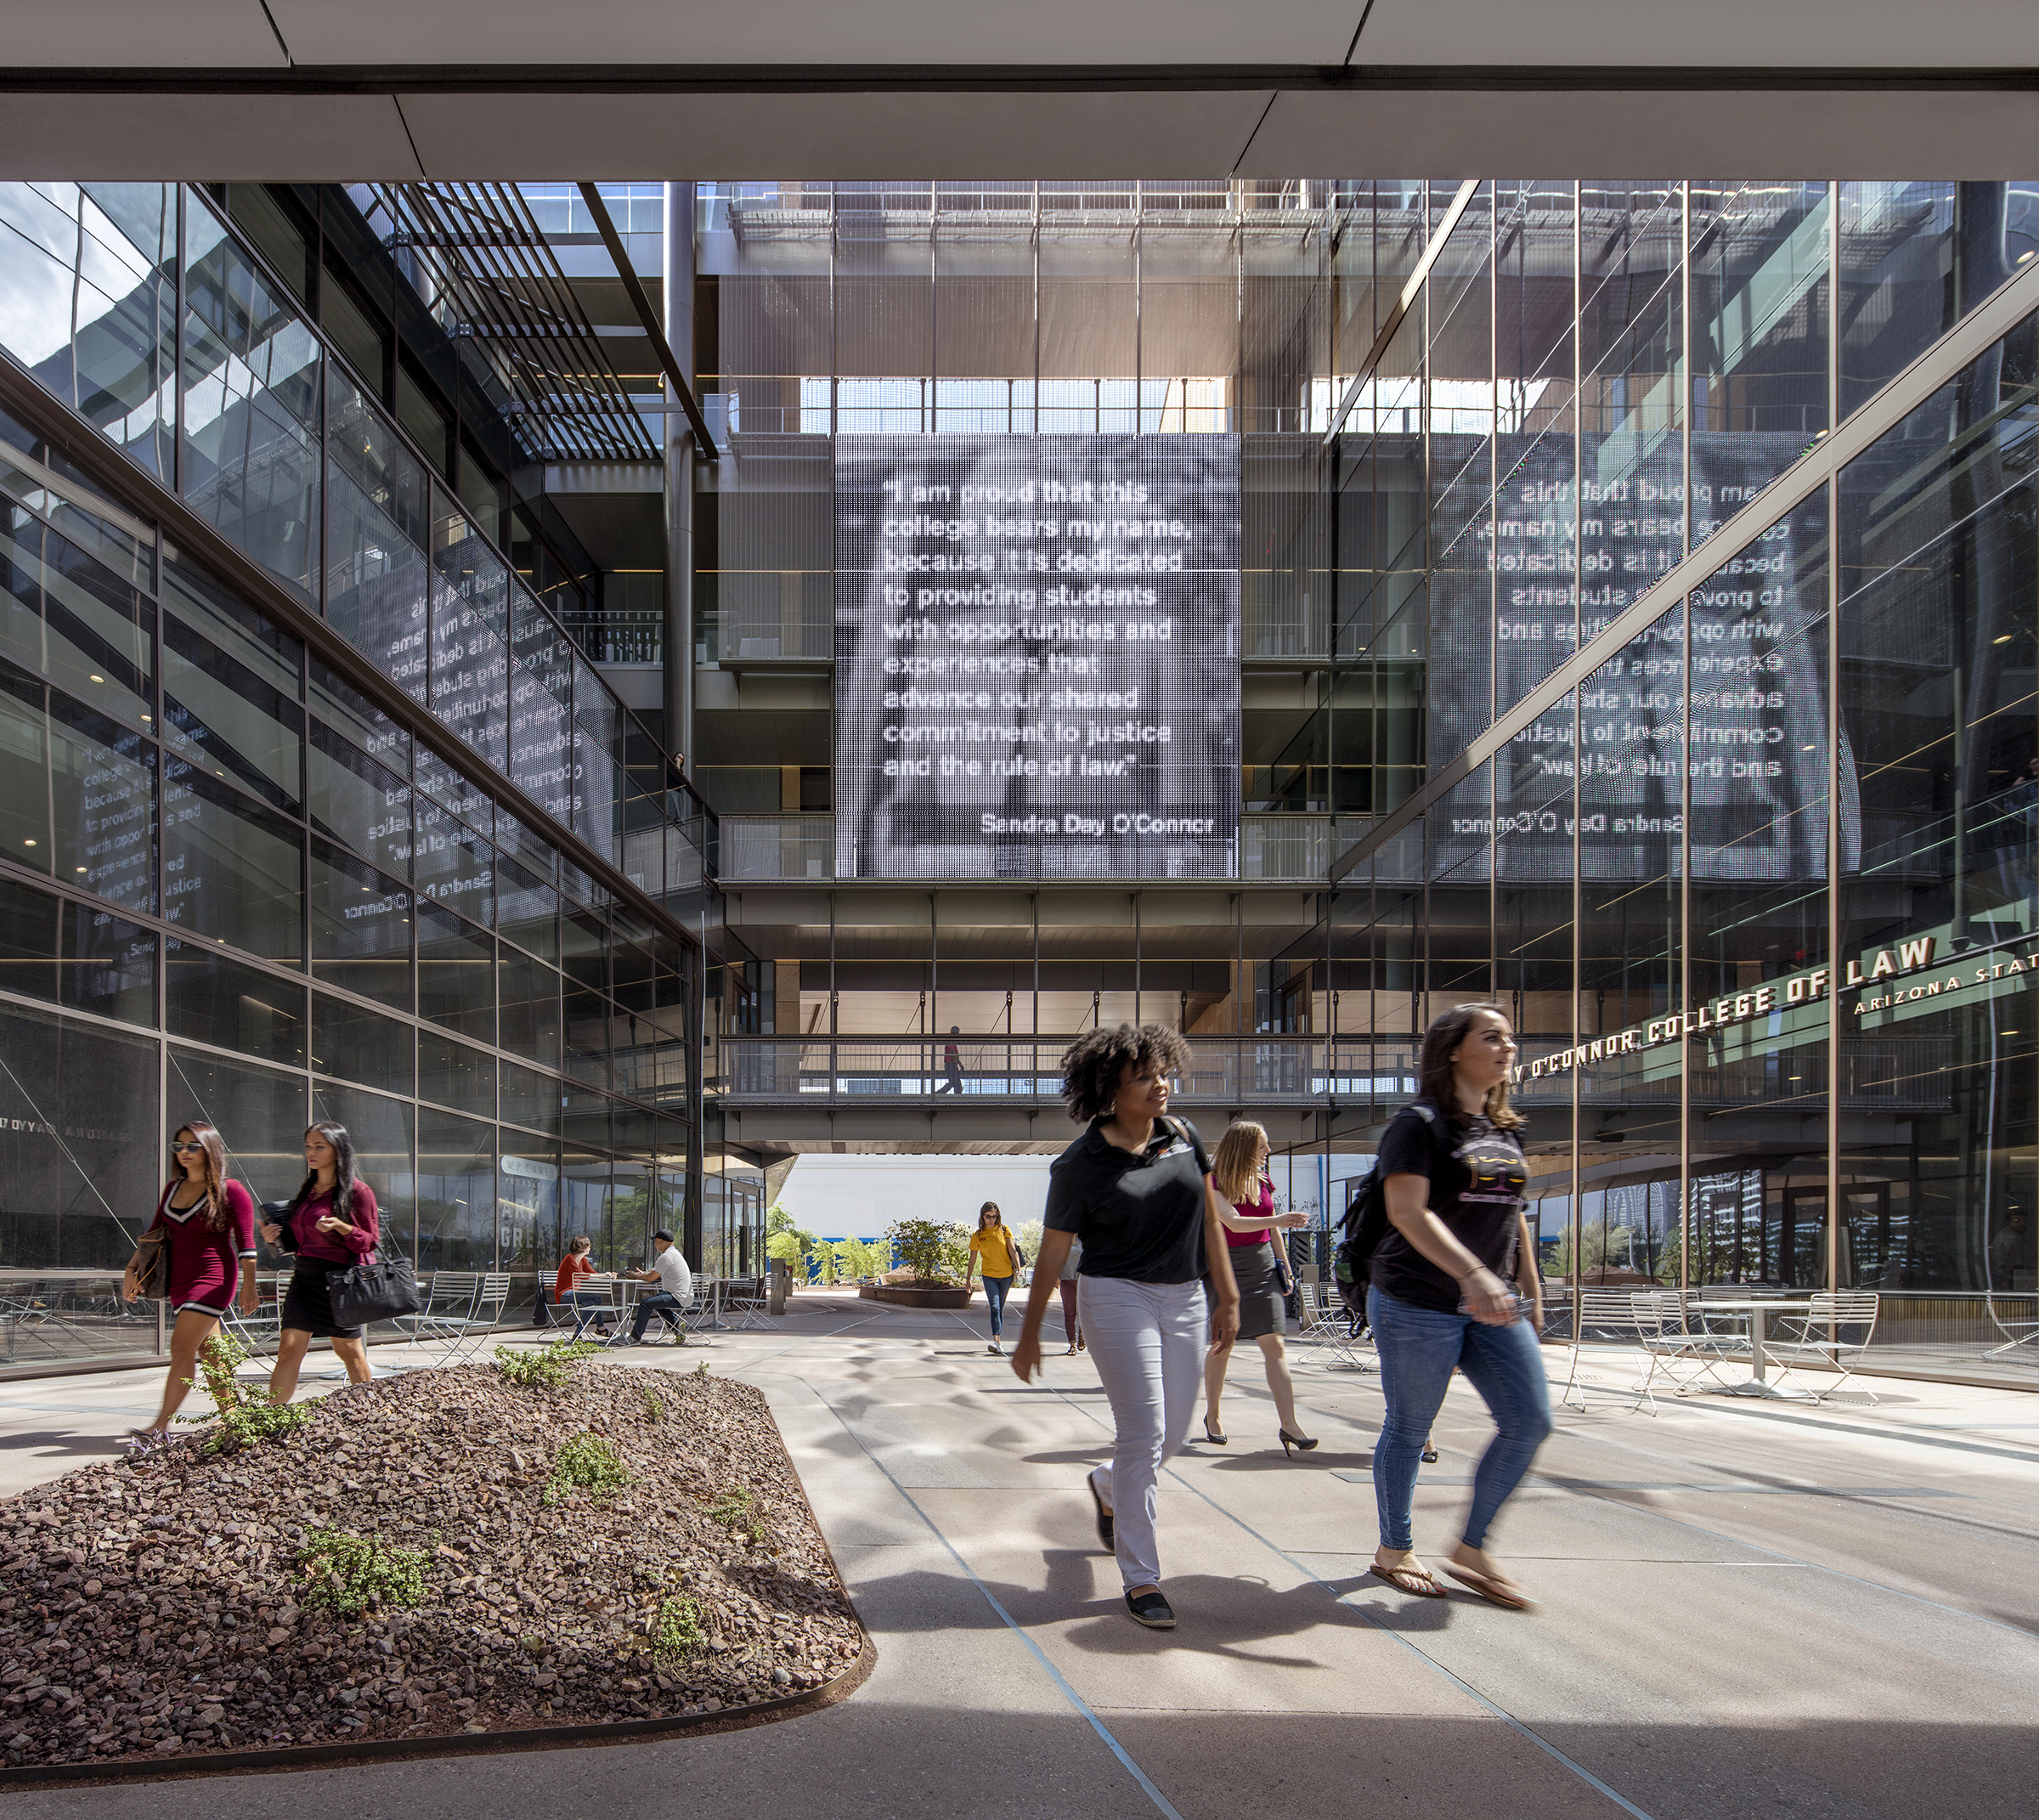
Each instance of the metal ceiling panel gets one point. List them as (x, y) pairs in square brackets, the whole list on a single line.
[(768, 32), (1723, 34), (175, 34)]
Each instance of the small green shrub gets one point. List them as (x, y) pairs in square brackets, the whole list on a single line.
[(676, 1631), (586, 1463), (241, 1423), (737, 1509), (541, 1367), (927, 1247), (654, 1408), (349, 1574)]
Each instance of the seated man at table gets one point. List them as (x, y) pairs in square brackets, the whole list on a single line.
[(576, 1269), (674, 1291)]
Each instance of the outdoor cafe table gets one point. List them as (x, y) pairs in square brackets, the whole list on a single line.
[(623, 1292), (1758, 1311)]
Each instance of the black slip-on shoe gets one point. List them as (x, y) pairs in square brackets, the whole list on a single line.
[(1106, 1539), (1152, 1610)]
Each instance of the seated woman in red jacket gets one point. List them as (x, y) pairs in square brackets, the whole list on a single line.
[(333, 1225), (211, 1223), (576, 1267)]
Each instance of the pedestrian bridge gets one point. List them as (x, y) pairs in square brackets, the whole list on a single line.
[(792, 1093), (1256, 1071)]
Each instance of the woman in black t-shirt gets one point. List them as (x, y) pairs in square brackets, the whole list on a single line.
[(1136, 1189), (1453, 1176)]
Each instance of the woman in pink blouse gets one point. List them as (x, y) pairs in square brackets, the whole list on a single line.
[(333, 1225), (1260, 1267)]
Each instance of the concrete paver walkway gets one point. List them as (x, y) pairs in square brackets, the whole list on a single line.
[(1744, 1610)]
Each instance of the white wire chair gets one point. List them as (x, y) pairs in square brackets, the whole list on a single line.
[(745, 1301), (261, 1333), (2020, 1331), (1672, 1338), (1322, 1322), (575, 1318), (1834, 1331), (1608, 1318), (461, 1308), (680, 1321)]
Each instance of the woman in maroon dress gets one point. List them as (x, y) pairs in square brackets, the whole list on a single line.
[(333, 1225), (211, 1223)]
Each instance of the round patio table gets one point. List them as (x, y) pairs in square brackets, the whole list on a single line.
[(1759, 1309)]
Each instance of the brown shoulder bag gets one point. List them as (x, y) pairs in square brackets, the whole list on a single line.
[(148, 1274)]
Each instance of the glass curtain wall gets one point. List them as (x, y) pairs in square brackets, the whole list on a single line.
[(270, 430), (1757, 888), (233, 886)]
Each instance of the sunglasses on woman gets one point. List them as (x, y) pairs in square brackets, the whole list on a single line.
[(182, 1149)]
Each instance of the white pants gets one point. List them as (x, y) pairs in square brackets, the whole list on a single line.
[(1148, 1342)]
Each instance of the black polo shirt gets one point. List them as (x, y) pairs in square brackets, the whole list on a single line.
[(1140, 1215)]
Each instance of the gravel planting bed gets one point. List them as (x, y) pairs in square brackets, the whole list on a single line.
[(161, 1608)]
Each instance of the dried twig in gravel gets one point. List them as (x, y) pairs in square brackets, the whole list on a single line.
[(154, 1607)]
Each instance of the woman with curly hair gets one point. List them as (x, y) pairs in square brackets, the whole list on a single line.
[(211, 1225), (1136, 1190)]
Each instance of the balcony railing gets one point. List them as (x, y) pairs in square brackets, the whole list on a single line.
[(778, 847), (802, 846)]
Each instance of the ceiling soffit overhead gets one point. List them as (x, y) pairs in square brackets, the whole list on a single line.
[(520, 90)]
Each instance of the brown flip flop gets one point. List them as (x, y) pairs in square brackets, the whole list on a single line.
[(1409, 1576), (1496, 1591)]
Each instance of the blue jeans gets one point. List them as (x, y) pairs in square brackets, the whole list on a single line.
[(660, 1303), (590, 1302), (1419, 1349), (996, 1289)]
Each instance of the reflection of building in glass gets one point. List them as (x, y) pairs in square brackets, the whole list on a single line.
[(309, 808), (1449, 515)]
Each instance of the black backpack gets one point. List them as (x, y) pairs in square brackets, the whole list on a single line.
[(1364, 1226)]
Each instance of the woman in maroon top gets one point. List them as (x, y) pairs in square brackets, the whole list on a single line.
[(333, 1225), (1260, 1267), (211, 1223)]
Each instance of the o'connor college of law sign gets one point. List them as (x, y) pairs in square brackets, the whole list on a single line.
[(1906, 960)]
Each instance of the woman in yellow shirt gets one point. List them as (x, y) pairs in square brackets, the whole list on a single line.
[(996, 1255)]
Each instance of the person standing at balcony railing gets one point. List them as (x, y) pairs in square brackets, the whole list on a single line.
[(210, 1224), (1453, 1176), (1260, 1267), (1136, 1189)]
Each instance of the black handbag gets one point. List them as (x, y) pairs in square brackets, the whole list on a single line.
[(375, 1289)]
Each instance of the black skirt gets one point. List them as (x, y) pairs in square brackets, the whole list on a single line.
[(1260, 1299), (309, 1306)]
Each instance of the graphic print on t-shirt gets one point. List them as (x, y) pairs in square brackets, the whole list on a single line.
[(1499, 1174)]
